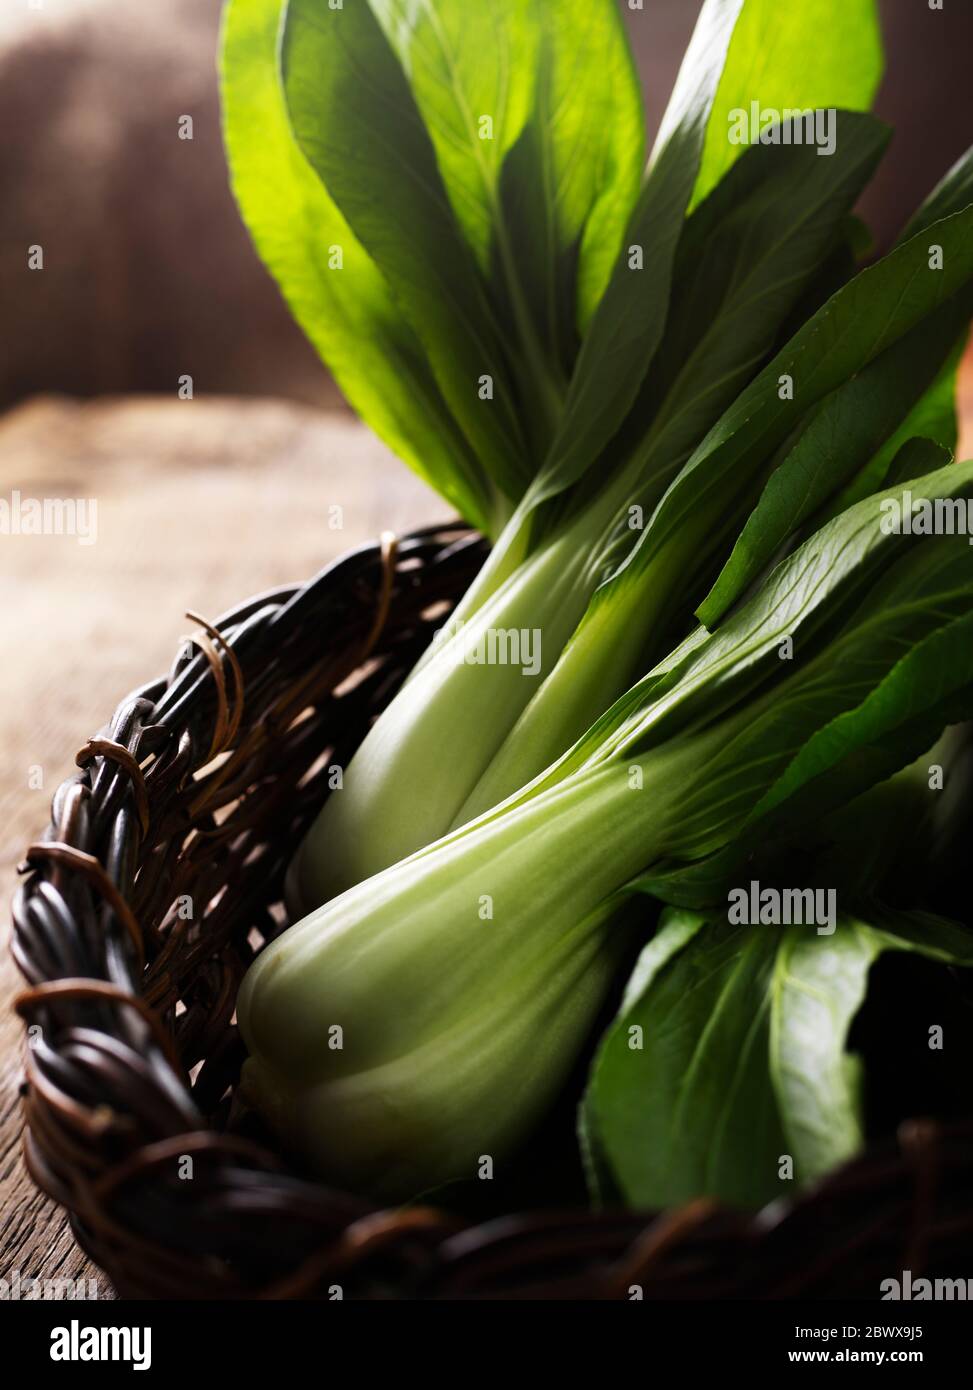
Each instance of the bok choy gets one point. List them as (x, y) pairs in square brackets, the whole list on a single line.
[(604, 600), (464, 980), (680, 406), (619, 338)]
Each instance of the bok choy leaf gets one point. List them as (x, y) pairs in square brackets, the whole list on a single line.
[(348, 313), (726, 1072)]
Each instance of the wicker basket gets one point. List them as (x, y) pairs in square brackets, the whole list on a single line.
[(196, 794)]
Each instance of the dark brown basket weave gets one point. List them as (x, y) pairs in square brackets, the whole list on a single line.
[(197, 792)]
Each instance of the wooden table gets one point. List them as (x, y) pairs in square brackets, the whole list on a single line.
[(199, 504)]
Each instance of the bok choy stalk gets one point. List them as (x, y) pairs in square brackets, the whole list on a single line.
[(461, 737), (466, 260), (424, 1019)]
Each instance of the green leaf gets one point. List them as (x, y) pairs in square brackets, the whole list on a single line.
[(953, 193), (743, 1054), (356, 120), (865, 318), (745, 257), (564, 73), (850, 428), (820, 53), (474, 73), (882, 632), (818, 586), (571, 182), (627, 326), (690, 1113), (933, 417), (348, 314), (536, 118), (465, 63), (902, 713), (819, 984)]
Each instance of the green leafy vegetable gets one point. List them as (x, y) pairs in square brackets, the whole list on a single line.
[(660, 394), (857, 425), (356, 120), (754, 247), (702, 510), (817, 54), (627, 326), (348, 313), (728, 1057), (724, 744)]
